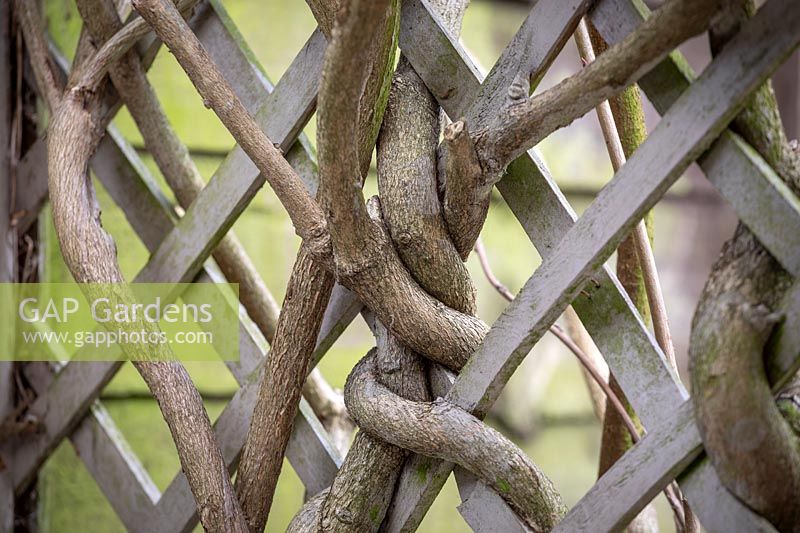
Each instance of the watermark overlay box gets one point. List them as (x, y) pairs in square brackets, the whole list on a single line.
[(119, 321)]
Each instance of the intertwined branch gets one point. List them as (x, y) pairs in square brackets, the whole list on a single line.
[(401, 254)]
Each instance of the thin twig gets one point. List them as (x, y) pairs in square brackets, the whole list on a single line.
[(556, 330), (644, 251)]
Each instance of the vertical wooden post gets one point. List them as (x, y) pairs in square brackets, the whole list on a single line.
[(6, 251)]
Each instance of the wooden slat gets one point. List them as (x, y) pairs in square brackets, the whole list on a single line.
[(673, 445), (309, 450), (637, 476), (687, 129), (483, 517), (106, 454), (760, 199), (176, 510), (76, 388), (529, 54), (59, 411), (32, 170), (545, 216), (232, 426), (235, 183), (533, 190)]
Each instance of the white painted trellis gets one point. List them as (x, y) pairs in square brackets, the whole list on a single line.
[(696, 113)]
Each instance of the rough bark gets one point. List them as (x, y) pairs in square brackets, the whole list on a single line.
[(75, 129), (523, 121), (218, 94), (172, 158), (90, 254), (310, 287), (407, 181), (407, 178), (408, 191), (281, 384), (366, 259), (466, 190), (307, 519), (441, 430), (753, 448), (382, 52), (364, 485), (376, 274)]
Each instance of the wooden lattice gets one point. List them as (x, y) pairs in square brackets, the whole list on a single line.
[(694, 111)]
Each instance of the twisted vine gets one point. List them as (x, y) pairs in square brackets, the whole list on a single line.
[(346, 238), (753, 448), (75, 129), (410, 208)]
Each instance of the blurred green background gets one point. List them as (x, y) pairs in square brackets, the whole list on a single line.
[(546, 408)]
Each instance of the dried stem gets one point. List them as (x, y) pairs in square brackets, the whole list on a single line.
[(647, 263), (561, 335)]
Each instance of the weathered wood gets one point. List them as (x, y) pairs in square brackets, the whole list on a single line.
[(727, 81), (761, 201), (281, 117), (483, 517), (531, 52), (637, 476), (688, 128), (59, 411), (652, 392), (32, 171), (106, 454), (545, 215), (176, 510), (62, 420), (673, 445), (231, 427)]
